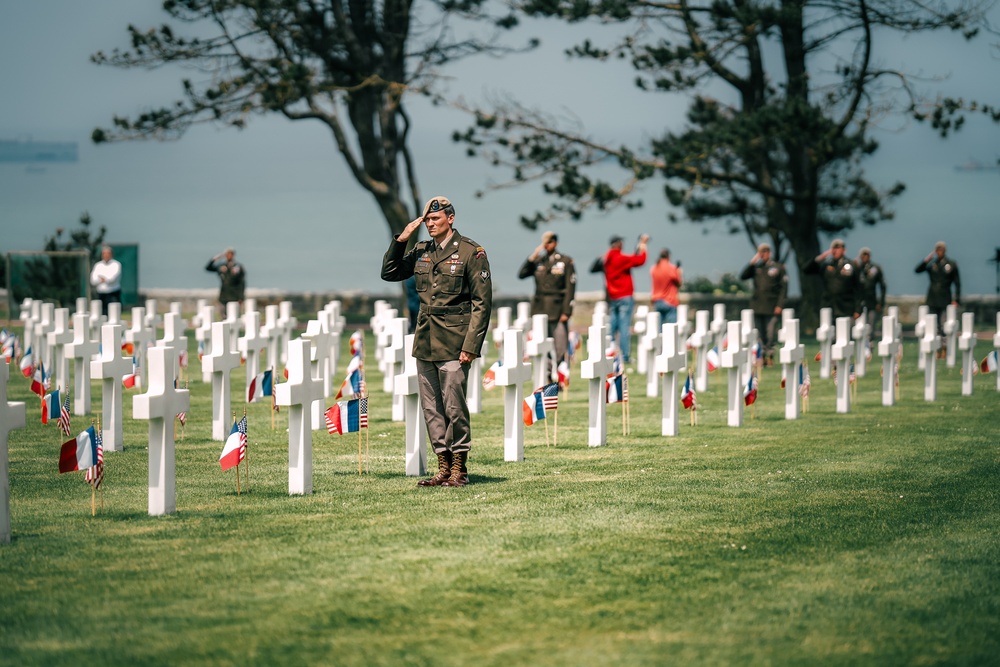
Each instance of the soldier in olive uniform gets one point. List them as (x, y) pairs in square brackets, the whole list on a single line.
[(840, 280), (456, 301), (770, 287), (872, 289), (232, 274), (555, 289), (943, 272)]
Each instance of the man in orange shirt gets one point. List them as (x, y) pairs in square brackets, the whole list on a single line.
[(667, 279)]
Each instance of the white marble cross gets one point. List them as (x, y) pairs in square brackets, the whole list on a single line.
[(203, 334), (701, 340), (233, 317), (110, 367), (595, 368), (640, 324), (97, 319), (601, 317), (734, 358), (522, 321), (58, 338), (407, 385), (115, 313), (141, 337), (749, 337), (12, 416), (40, 336), (287, 324), (173, 329), (160, 405), (249, 346), (718, 326), (918, 330), (786, 315), (503, 323), (271, 332), (860, 332), (334, 323), (842, 352), (199, 306), (683, 323), (394, 356), (888, 348), (671, 360), (824, 335), (951, 329), (511, 375), (791, 354), (474, 385), (967, 344), (219, 363), (929, 345), (540, 347), (31, 312), (319, 351), (377, 322), (81, 350), (297, 394), (153, 319), (381, 344), (649, 348)]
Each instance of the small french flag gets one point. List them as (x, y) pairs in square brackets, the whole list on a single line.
[(989, 364), (79, 453), (50, 406), (533, 409), (616, 389), (261, 385)]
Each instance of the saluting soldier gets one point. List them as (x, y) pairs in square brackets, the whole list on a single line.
[(452, 276), (555, 289), (231, 274), (770, 287), (840, 280), (943, 272), (872, 289)]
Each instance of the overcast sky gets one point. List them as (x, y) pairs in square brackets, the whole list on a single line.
[(279, 192)]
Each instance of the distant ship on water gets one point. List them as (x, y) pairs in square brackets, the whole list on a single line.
[(29, 151), (976, 165)]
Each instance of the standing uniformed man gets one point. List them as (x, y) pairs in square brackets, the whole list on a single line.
[(232, 274), (456, 300), (555, 289), (770, 287), (943, 272), (840, 280), (872, 281)]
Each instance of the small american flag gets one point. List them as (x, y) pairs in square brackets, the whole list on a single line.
[(64, 416), (95, 473), (625, 388), (363, 413), (550, 396), (182, 417), (241, 426)]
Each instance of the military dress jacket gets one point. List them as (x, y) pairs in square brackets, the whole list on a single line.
[(943, 274), (872, 285), (770, 286), (234, 280), (841, 291), (555, 285), (456, 294)]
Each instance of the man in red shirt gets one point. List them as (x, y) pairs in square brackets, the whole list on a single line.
[(667, 278), (618, 284)]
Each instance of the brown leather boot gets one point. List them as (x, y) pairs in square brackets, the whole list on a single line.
[(443, 473), (459, 473)]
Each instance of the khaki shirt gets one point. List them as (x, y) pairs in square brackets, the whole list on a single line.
[(770, 286), (456, 294), (555, 285)]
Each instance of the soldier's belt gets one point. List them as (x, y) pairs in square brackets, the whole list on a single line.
[(560, 293), (462, 309)]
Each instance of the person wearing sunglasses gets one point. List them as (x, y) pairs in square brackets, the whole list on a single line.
[(452, 276)]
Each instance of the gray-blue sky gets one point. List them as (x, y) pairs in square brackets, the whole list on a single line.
[(279, 192)]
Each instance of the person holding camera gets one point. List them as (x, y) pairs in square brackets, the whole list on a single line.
[(620, 290), (667, 278)]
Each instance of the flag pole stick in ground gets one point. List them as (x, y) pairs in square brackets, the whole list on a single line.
[(359, 451), (274, 381), (546, 432), (246, 458), (555, 429), (367, 450)]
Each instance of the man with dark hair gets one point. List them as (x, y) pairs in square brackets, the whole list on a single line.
[(452, 277), (770, 287), (555, 289), (620, 290), (943, 272), (840, 280)]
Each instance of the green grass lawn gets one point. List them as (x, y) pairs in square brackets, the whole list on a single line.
[(867, 538)]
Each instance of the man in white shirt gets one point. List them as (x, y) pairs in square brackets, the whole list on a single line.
[(106, 277)]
